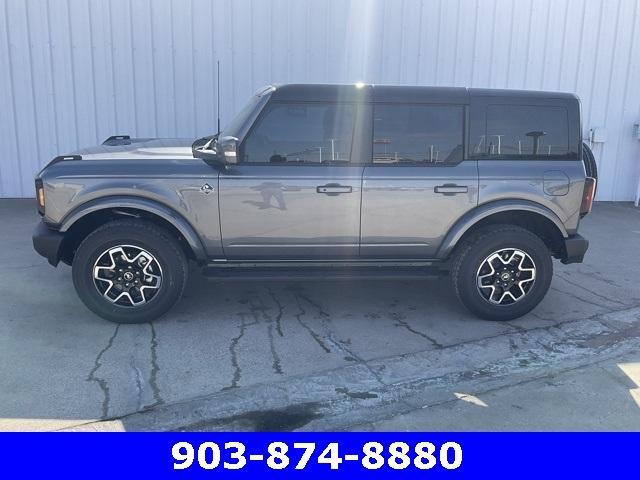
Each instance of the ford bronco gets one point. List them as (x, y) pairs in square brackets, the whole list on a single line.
[(489, 185)]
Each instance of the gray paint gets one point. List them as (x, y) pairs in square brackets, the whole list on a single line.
[(277, 212), (525, 180), (325, 212), (403, 216)]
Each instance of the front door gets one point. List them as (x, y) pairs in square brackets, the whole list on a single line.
[(418, 184), (295, 192)]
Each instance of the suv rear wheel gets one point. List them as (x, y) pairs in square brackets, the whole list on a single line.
[(129, 271), (501, 272)]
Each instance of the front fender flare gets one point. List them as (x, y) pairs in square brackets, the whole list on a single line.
[(139, 203), (472, 217)]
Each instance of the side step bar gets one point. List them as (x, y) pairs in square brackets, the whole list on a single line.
[(322, 272)]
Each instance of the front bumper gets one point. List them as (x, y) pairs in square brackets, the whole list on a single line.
[(575, 247), (48, 243)]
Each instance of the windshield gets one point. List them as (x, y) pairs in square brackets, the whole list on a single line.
[(236, 126)]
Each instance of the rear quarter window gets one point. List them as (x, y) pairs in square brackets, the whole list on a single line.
[(524, 131)]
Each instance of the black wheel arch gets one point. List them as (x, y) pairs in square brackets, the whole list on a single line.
[(531, 216), (85, 218)]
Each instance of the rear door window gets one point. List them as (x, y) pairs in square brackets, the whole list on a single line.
[(417, 134), (525, 131)]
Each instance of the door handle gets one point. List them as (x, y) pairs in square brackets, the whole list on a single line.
[(334, 189), (451, 189)]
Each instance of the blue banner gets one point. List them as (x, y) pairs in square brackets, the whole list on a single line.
[(318, 455)]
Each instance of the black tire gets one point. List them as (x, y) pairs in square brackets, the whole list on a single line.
[(480, 245), (142, 235)]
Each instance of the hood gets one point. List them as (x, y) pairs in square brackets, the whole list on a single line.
[(138, 148)]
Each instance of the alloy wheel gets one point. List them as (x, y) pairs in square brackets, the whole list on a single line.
[(506, 276), (127, 275)]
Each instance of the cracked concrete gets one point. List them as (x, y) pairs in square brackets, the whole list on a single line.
[(155, 368), (334, 354), (102, 383)]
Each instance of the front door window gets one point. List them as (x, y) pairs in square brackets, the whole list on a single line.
[(301, 133)]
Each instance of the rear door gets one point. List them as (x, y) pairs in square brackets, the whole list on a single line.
[(418, 183), (295, 193)]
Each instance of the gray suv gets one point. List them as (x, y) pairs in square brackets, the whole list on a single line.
[(488, 185)]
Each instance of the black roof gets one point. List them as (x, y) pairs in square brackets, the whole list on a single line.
[(319, 92), (394, 93), (536, 94)]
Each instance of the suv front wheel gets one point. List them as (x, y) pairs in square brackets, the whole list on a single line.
[(501, 272), (129, 271)]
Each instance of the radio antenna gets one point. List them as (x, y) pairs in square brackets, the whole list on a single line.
[(218, 95)]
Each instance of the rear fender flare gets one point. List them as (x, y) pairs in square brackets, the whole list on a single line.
[(483, 211)]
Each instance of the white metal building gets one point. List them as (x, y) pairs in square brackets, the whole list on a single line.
[(73, 72)]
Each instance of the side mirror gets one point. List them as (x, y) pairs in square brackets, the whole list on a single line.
[(227, 148), (217, 153)]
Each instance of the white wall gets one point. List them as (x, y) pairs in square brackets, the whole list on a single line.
[(73, 72)]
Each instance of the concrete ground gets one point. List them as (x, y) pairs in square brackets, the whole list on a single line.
[(322, 355)]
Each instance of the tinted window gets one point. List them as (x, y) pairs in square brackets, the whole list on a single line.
[(526, 131), (425, 134), (301, 133)]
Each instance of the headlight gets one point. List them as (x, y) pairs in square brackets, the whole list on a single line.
[(40, 196)]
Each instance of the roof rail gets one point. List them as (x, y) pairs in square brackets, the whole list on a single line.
[(62, 158), (114, 140)]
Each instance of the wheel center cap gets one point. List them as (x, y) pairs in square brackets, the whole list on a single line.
[(505, 276), (128, 276)]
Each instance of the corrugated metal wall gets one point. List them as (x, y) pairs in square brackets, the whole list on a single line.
[(76, 71)]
